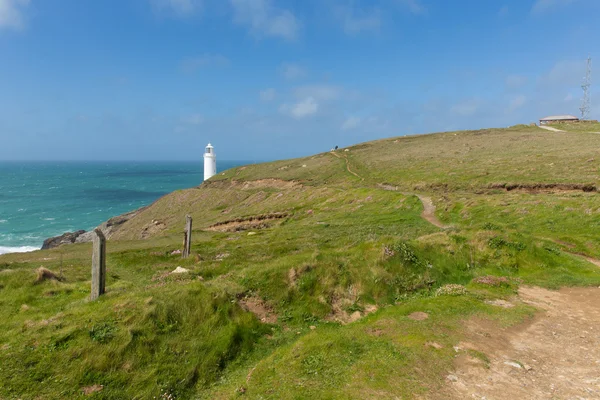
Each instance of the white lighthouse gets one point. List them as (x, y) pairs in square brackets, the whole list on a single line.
[(210, 162)]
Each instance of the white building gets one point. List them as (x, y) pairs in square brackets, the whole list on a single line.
[(556, 119), (210, 162)]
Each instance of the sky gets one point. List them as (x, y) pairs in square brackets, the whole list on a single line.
[(273, 79)]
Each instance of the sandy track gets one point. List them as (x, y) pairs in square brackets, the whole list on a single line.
[(556, 356), (428, 213), (549, 128), (347, 165)]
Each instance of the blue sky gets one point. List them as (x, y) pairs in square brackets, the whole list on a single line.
[(269, 79)]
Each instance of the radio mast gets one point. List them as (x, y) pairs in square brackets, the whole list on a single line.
[(586, 101)]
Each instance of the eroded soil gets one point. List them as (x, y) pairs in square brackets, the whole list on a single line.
[(555, 356)]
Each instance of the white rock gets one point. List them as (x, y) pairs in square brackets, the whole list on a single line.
[(180, 270), (513, 364)]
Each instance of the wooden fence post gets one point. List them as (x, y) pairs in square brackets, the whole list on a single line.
[(98, 264), (187, 238)]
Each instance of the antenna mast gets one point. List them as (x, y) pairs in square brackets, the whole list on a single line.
[(586, 102)]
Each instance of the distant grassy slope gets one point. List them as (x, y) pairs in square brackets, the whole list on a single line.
[(349, 245), (578, 126)]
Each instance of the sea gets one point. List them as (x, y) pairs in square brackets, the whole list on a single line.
[(39, 200)]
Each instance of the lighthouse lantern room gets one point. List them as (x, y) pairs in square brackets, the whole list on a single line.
[(210, 162)]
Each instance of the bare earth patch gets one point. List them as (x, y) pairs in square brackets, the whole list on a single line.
[(555, 356), (501, 303), (418, 316), (246, 223), (258, 307), (534, 188), (152, 229), (340, 315), (91, 389), (255, 184)]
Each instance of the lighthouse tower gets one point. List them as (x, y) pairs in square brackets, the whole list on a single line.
[(210, 162)]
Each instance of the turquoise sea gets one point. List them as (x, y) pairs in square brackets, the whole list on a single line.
[(39, 200)]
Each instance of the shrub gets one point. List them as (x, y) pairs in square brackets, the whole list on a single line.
[(498, 242), (488, 226), (491, 280), (451, 290), (103, 332)]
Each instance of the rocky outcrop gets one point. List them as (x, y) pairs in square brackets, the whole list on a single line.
[(65, 238), (108, 228)]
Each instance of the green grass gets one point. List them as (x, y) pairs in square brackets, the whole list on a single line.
[(346, 246), (591, 126)]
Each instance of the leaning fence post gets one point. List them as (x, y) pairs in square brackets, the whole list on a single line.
[(187, 238), (98, 264)]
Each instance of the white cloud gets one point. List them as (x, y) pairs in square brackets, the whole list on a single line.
[(11, 13), (542, 6), (264, 19), (414, 6), (193, 119), (319, 92), (517, 102), (515, 81), (350, 123), (357, 21), (302, 109), (564, 73), (268, 94), (180, 8), (206, 60), (466, 108), (292, 71)]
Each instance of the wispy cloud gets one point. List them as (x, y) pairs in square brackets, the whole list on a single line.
[(179, 8), (319, 92), (193, 64), (504, 11), (268, 94), (302, 109), (542, 6), (11, 14), (515, 81), (351, 123), (516, 102), (355, 21), (466, 108), (414, 6), (193, 119), (263, 19), (563, 73), (292, 71)]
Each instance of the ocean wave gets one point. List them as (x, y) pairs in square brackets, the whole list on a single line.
[(20, 249), (49, 219), (2, 221)]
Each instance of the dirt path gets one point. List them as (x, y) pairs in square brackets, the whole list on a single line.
[(556, 356), (348, 165), (549, 128), (428, 213), (592, 260)]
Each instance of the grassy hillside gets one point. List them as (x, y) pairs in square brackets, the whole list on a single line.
[(306, 273)]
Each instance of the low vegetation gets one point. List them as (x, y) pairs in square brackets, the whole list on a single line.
[(581, 126), (310, 288)]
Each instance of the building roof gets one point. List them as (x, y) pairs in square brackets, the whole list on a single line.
[(559, 118)]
